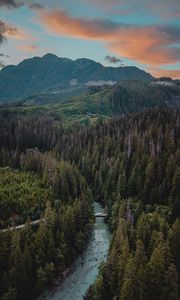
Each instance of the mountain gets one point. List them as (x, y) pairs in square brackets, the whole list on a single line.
[(59, 77)]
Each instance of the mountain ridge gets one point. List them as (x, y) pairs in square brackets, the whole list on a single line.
[(53, 74)]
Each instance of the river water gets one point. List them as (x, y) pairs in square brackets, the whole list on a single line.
[(85, 269)]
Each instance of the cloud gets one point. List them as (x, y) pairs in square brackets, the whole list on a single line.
[(100, 82), (157, 72), (10, 3), (8, 31), (73, 82), (162, 8), (60, 22), (37, 6), (2, 31), (18, 3), (112, 59), (153, 45), (13, 32), (27, 48), (3, 55), (103, 3)]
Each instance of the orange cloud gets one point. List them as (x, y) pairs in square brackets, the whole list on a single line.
[(165, 73), (152, 45), (146, 45), (61, 23), (28, 48)]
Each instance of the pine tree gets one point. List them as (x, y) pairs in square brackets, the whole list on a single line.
[(171, 283), (18, 276), (122, 184), (175, 194), (174, 243)]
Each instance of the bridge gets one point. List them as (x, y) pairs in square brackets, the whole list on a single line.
[(100, 215), (97, 215)]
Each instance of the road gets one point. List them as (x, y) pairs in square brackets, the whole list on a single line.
[(22, 225)]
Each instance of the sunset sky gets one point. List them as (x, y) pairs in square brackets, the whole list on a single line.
[(143, 33)]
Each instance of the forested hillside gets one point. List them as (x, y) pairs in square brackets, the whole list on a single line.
[(130, 164), (138, 176), (100, 102), (22, 195), (53, 191)]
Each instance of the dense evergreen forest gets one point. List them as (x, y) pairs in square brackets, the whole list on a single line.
[(38, 185), (130, 164), (22, 195)]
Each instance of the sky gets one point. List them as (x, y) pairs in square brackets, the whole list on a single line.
[(142, 33)]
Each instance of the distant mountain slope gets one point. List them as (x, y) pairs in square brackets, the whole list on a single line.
[(54, 75), (101, 102), (124, 97)]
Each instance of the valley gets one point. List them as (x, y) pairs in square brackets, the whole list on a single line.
[(130, 165), (89, 150)]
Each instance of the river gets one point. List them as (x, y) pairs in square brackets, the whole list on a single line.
[(85, 269)]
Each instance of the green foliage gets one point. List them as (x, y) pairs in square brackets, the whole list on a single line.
[(22, 196), (32, 256), (138, 180), (131, 165), (132, 95), (98, 104)]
